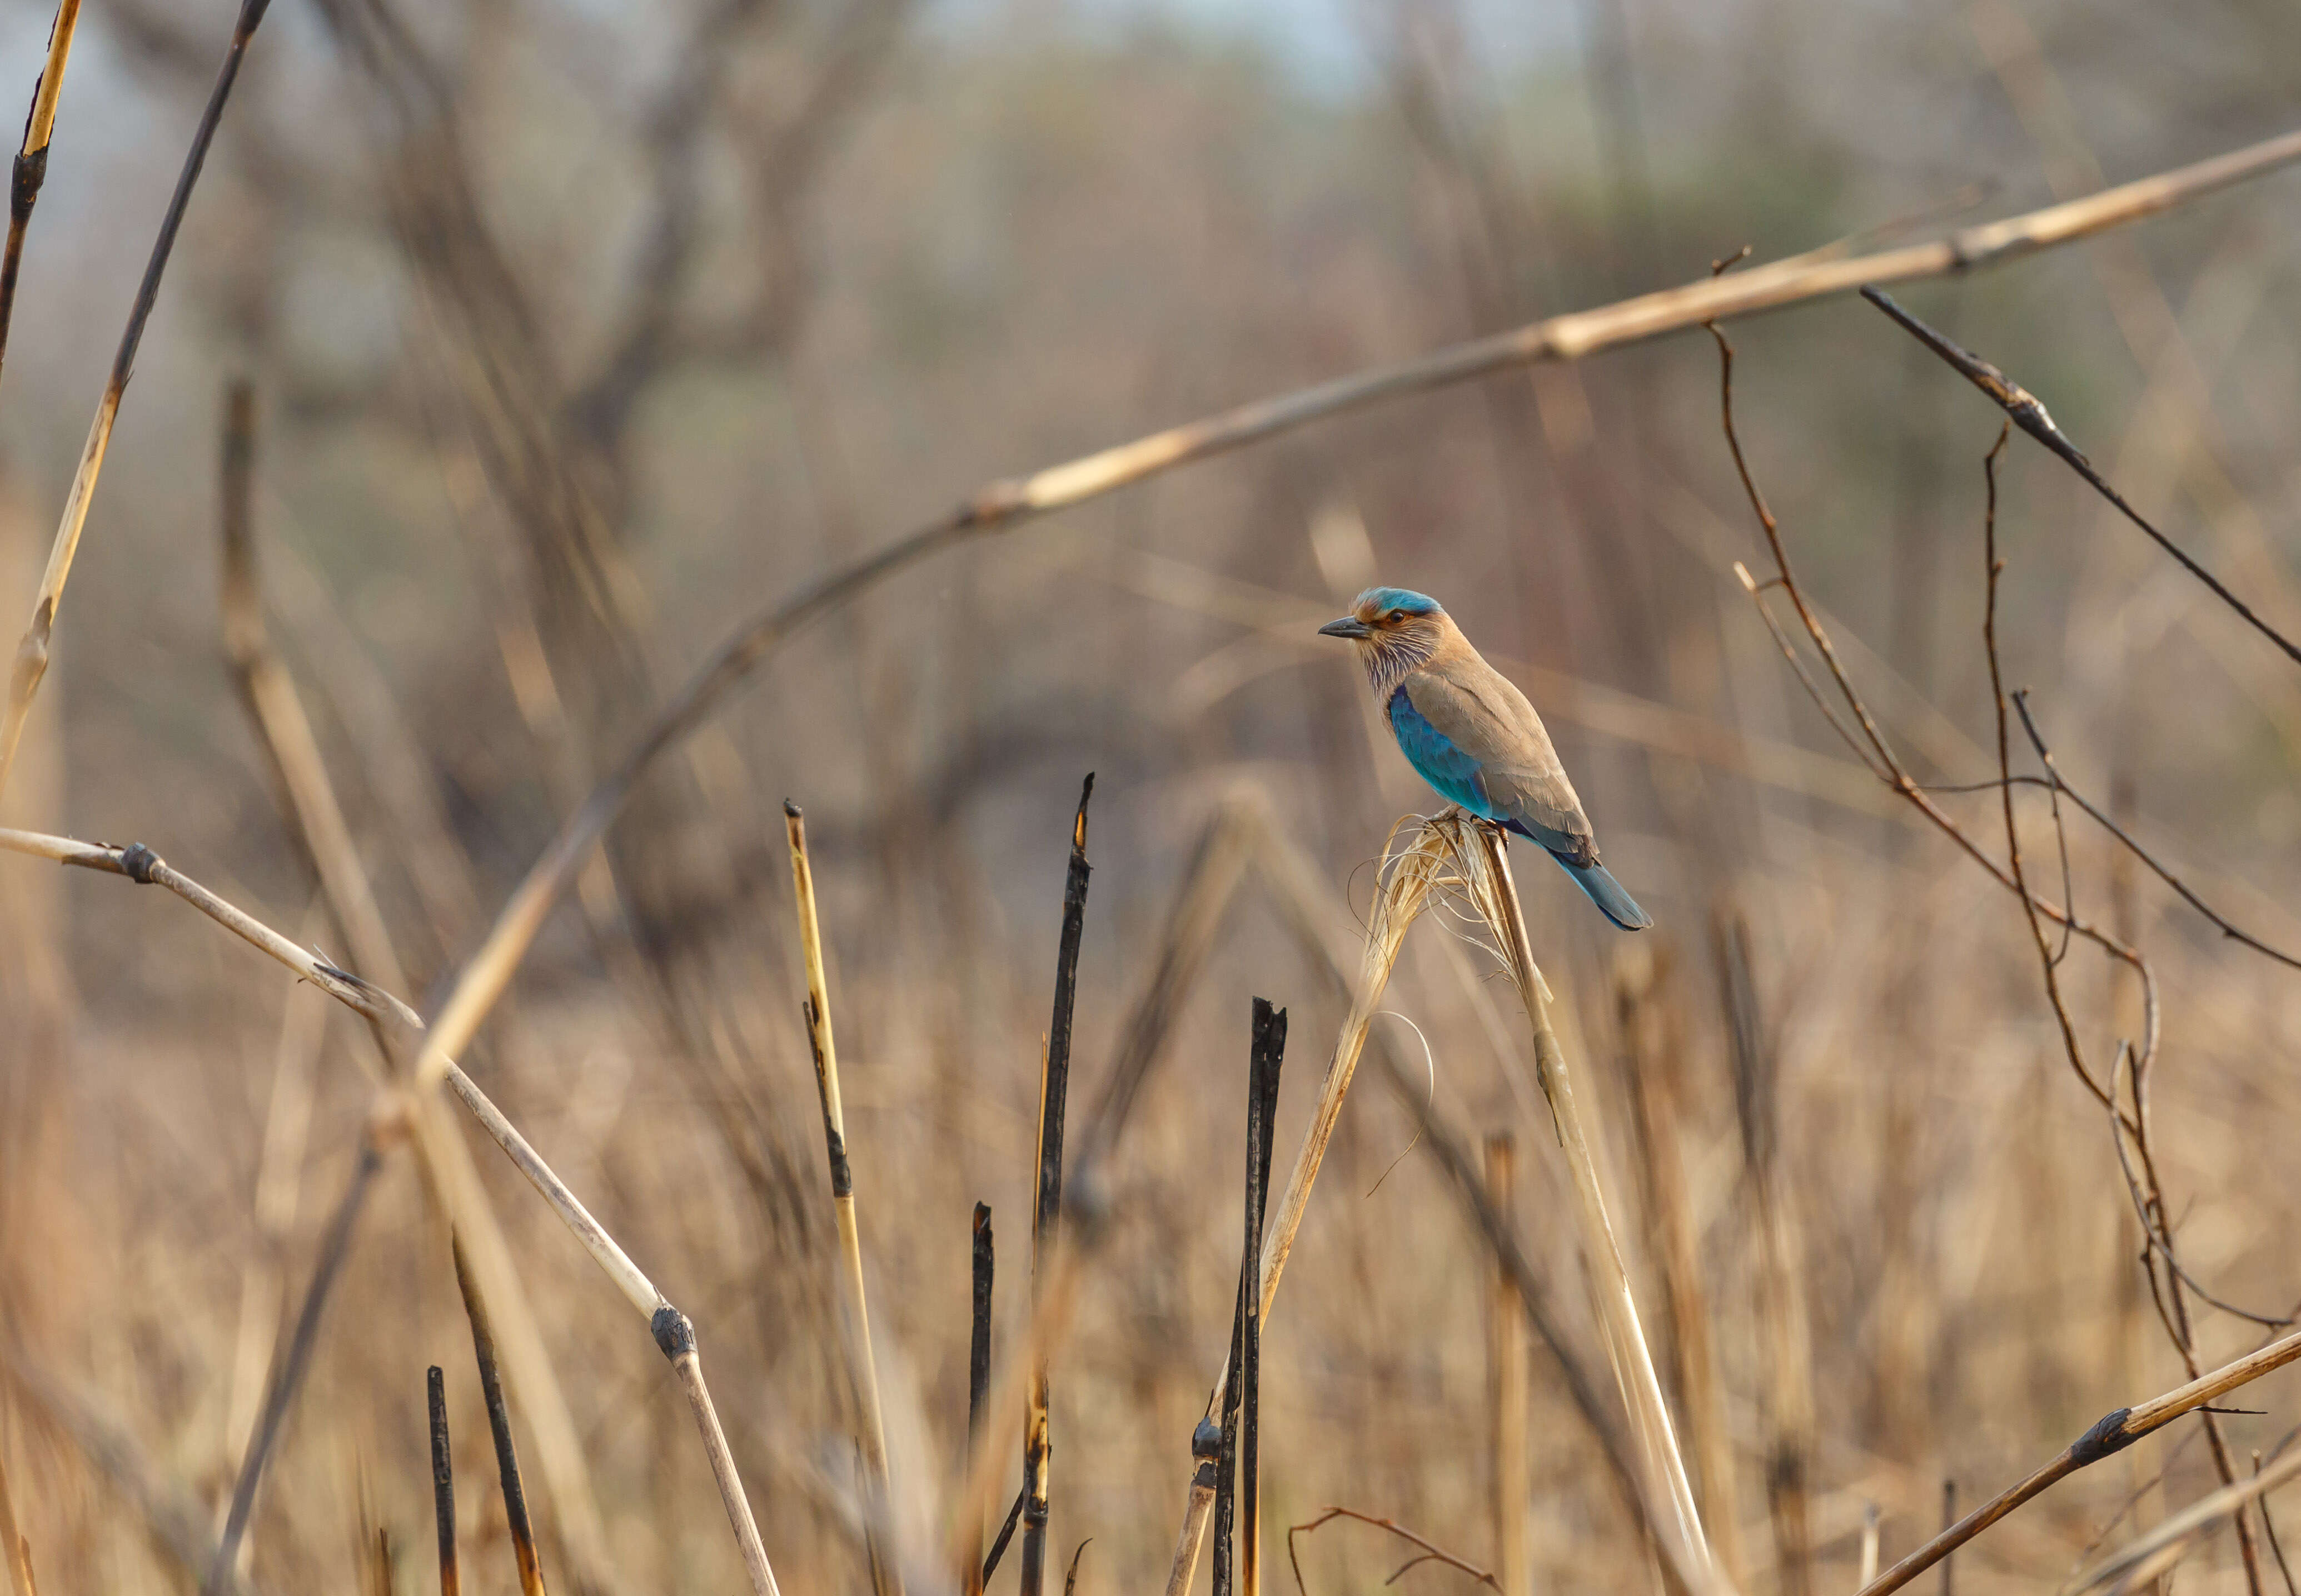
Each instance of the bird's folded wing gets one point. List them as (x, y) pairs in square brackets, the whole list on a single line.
[(1478, 711)]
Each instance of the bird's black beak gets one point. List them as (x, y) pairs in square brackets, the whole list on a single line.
[(1348, 626)]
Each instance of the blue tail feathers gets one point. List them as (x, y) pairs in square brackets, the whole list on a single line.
[(1607, 893)]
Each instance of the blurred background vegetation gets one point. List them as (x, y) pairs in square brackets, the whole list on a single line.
[(581, 330)]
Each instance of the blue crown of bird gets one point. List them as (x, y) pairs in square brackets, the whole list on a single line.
[(1468, 732)]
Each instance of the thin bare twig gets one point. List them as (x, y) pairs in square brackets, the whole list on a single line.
[(2026, 412), (1429, 1553)]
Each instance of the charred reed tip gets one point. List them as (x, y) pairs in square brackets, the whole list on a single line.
[(1206, 1441), (672, 1332), (791, 811), (138, 862)]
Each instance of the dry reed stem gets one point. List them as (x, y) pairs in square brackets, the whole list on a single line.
[(32, 654), (335, 1248), (1506, 1387), (515, 1494), (1482, 862), (1206, 1454), (1032, 1504), (282, 727), (1297, 893), (446, 1162), (2147, 1555), (984, 1260), (1652, 1031), (1005, 1413), (676, 1336), (443, 1480), (179, 1522), (17, 1550), (1046, 1225), (1008, 502), (31, 167), (286, 1128), (1789, 1402), (2113, 1433), (270, 695), (862, 1366)]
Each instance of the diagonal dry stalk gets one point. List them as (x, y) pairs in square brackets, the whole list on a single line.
[(1481, 863), (309, 804), (178, 1520), (447, 1163), (862, 1366), (514, 1495), (1005, 503), (2024, 411), (2146, 1557), (33, 652), (281, 725), (32, 168)]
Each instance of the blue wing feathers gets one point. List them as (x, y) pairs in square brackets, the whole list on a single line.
[(1456, 777), (1434, 756)]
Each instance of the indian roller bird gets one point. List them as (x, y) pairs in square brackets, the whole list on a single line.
[(1472, 734)]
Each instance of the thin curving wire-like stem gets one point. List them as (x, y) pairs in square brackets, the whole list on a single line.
[(32, 168), (1007, 503), (2023, 409), (447, 1161), (871, 1431), (33, 652)]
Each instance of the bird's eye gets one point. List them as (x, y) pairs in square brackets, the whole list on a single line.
[(1395, 617)]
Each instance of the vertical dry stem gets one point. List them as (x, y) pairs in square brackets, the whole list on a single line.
[(886, 1576), (443, 1480), (978, 1379), (1506, 1387), (1650, 1030), (1484, 865)]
